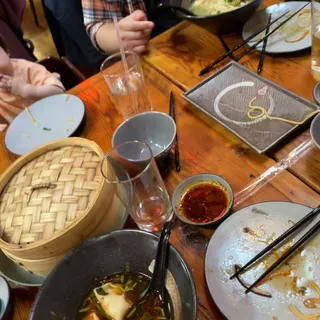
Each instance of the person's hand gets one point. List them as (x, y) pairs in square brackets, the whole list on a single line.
[(11, 85), (135, 32)]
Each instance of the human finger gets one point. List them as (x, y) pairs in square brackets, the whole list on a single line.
[(140, 49), (136, 43), (138, 15), (3, 86), (130, 25), (131, 35)]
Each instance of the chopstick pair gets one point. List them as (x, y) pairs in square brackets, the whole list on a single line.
[(277, 241), (172, 113), (263, 51), (244, 42)]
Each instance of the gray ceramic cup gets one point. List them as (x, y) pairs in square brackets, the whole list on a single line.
[(156, 129)]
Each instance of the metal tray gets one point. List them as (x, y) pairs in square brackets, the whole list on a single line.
[(225, 97)]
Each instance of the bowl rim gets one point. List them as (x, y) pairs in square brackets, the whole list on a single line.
[(312, 129), (203, 224), (198, 17), (7, 306), (133, 139), (92, 241)]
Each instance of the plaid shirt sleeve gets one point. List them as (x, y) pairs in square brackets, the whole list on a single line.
[(97, 12)]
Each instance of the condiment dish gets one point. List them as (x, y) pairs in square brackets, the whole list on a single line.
[(205, 180)]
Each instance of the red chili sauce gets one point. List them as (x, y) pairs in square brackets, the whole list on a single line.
[(204, 203)]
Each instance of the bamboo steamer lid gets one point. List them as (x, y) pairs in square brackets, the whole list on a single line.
[(52, 199)]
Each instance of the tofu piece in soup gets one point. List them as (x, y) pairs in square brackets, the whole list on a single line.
[(112, 301)]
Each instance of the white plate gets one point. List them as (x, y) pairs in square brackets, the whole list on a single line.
[(231, 245), (4, 297), (278, 42), (60, 115)]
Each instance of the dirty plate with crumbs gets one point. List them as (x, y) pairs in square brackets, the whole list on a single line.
[(294, 287), (49, 119)]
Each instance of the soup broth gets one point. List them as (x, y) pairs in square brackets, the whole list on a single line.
[(115, 296)]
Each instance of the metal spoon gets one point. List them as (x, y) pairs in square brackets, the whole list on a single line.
[(157, 284)]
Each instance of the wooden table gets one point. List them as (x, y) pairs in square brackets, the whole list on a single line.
[(212, 149), (180, 53)]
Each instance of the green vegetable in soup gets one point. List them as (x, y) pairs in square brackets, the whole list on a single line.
[(124, 289)]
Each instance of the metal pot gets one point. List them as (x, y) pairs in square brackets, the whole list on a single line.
[(218, 24)]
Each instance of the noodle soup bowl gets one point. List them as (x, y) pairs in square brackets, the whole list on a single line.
[(221, 23), (84, 268)]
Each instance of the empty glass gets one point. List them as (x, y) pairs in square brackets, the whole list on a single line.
[(132, 169), (130, 92), (315, 32)]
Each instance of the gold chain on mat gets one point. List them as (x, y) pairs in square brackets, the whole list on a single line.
[(264, 112)]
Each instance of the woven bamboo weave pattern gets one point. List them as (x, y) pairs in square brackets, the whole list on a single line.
[(48, 194)]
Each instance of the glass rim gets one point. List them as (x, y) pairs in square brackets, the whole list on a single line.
[(135, 177), (117, 54)]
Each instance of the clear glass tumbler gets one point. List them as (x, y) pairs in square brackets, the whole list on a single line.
[(130, 92), (315, 32), (132, 169)]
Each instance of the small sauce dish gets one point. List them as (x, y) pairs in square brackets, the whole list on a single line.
[(202, 200)]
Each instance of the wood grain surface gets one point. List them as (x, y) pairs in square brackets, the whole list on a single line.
[(204, 147), (181, 52)]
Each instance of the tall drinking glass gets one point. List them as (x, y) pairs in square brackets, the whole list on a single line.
[(131, 168), (315, 31), (129, 91)]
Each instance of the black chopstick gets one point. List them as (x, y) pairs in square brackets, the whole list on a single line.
[(226, 47), (263, 51), (211, 65), (277, 241), (269, 34), (298, 244), (176, 145)]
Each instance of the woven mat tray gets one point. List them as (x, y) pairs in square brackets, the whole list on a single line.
[(225, 96)]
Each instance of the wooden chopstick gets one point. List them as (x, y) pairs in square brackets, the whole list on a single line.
[(297, 245), (269, 34), (244, 42), (176, 145), (263, 51), (277, 241)]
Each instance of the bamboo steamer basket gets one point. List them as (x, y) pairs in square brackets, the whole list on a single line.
[(41, 267), (54, 198)]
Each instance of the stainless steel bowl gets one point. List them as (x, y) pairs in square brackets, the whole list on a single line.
[(218, 24)]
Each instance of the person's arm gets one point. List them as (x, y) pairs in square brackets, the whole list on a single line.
[(134, 33), (29, 91), (26, 90)]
